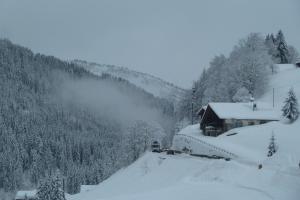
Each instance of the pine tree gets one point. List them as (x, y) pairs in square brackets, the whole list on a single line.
[(73, 181), (282, 48), (272, 146), (51, 189), (58, 193), (270, 43), (290, 108)]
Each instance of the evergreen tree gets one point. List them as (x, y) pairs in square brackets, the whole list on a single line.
[(270, 43), (282, 48), (73, 183), (51, 189), (290, 108), (293, 55), (58, 193), (272, 146)]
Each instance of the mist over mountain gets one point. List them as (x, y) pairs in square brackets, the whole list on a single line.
[(56, 115), (149, 83)]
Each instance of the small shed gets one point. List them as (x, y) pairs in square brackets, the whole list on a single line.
[(26, 195)]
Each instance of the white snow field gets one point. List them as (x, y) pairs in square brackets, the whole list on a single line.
[(160, 176)]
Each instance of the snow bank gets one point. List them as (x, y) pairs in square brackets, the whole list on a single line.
[(29, 194)]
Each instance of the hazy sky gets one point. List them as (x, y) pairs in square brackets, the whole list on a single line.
[(172, 39)]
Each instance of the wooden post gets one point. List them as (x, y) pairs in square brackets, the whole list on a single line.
[(273, 97), (193, 99)]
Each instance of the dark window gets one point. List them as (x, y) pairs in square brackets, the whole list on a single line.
[(238, 123), (250, 123)]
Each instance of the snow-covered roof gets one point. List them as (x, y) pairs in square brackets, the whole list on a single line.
[(28, 194), (244, 111)]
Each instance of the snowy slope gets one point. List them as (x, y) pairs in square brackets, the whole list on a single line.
[(149, 83), (158, 176), (287, 76), (250, 143)]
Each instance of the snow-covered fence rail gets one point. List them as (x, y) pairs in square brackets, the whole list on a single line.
[(199, 146)]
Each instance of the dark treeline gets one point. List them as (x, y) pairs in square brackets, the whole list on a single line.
[(40, 133)]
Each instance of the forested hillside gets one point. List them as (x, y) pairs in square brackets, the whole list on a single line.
[(240, 76), (56, 116)]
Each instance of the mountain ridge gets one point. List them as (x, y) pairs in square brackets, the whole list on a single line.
[(150, 83)]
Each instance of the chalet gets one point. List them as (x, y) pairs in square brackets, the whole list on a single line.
[(217, 118), (26, 195)]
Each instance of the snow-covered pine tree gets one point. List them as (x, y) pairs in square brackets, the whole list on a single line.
[(290, 108), (51, 189), (43, 190), (270, 43), (272, 146), (58, 193), (73, 181), (282, 48), (293, 55)]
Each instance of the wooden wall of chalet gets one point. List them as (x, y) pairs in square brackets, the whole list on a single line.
[(211, 119)]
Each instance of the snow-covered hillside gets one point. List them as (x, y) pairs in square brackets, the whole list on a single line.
[(149, 83), (159, 176), (250, 143)]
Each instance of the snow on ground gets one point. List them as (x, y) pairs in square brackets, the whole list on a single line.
[(250, 143), (159, 176), (26, 194), (287, 76)]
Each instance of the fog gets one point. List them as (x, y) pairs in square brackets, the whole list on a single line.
[(109, 102)]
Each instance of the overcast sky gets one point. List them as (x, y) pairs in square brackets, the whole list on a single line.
[(172, 39)]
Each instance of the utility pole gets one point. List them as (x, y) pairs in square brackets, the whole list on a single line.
[(273, 97), (193, 100)]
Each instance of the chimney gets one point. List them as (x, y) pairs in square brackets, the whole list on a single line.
[(254, 106)]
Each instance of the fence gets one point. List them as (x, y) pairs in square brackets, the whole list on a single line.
[(208, 145)]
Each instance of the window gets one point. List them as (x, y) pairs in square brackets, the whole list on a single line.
[(238, 123), (251, 123)]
